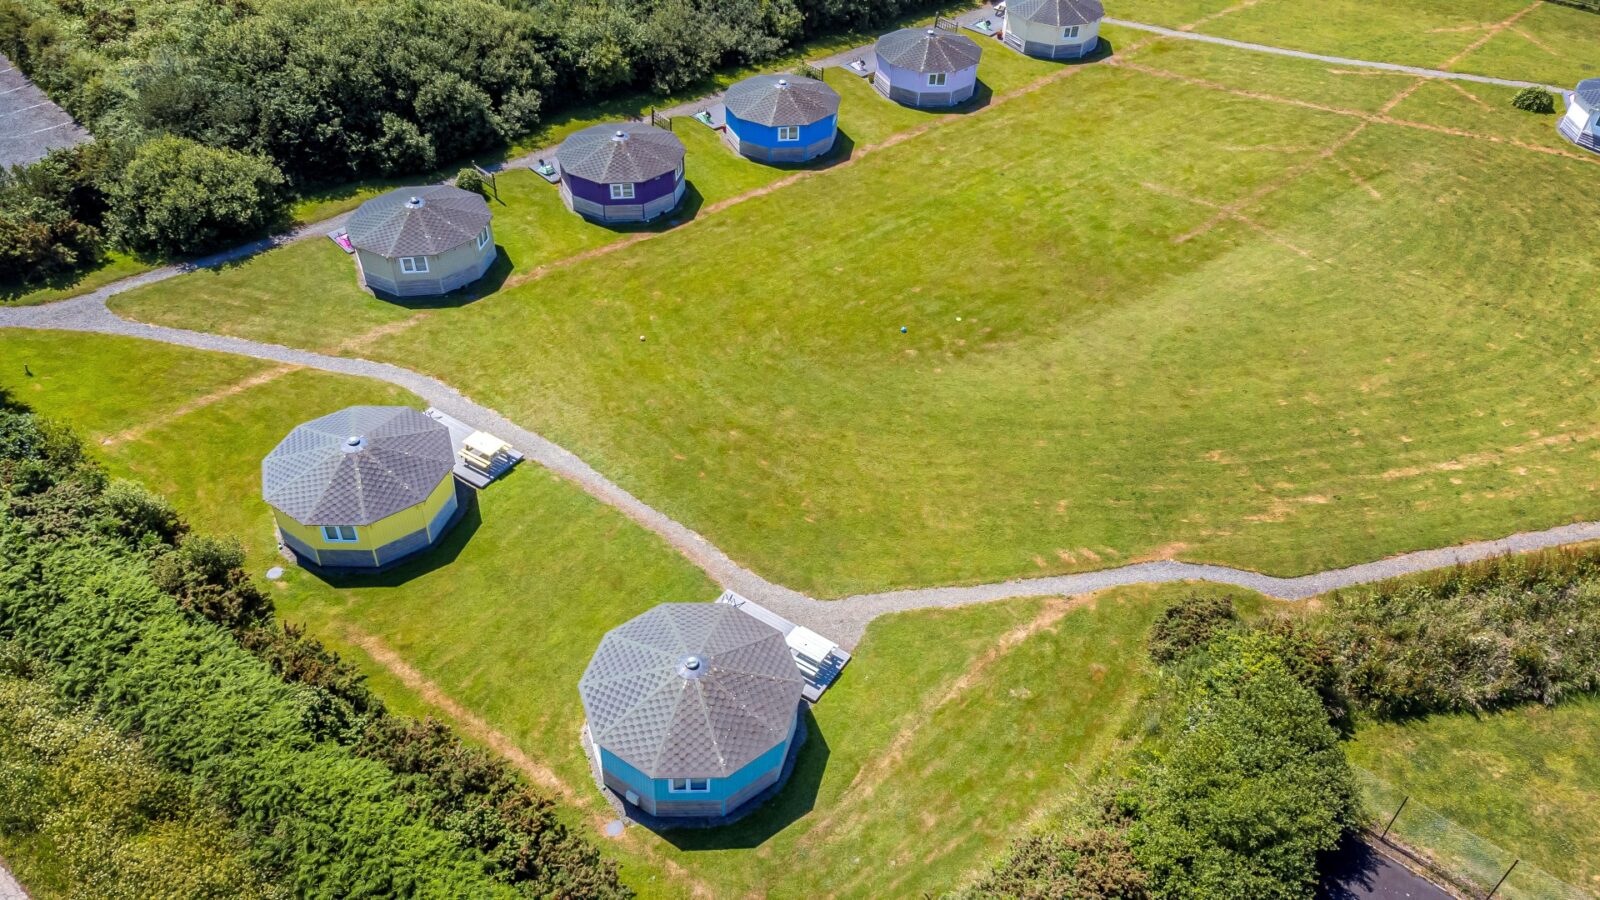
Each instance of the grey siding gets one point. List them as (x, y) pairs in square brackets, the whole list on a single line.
[(444, 274), (353, 559), (301, 549), (924, 99), (1053, 51), (753, 788), (402, 547)]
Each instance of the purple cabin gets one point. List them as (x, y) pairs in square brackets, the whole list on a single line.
[(622, 172)]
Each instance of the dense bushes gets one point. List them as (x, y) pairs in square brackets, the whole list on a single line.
[(1534, 100), (177, 196), (325, 92), (1249, 786), (162, 632), (51, 215), (1476, 638), (1239, 787), (92, 816)]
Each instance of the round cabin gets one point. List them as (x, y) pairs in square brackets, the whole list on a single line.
[(422, 241), (692, 709), (781, 118), (1581, 124), (363, 487), (1054, 29), (926, 68), (621, 172)]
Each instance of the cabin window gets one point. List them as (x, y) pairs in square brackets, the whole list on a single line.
[(483, 237), (1071, 31), (413, 265), (937, 79), (689, 785), (339, 534), (622, 191), (788, 132)]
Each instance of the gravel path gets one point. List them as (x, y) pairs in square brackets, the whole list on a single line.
[(1332, 60), (9, 888), (843, 620)]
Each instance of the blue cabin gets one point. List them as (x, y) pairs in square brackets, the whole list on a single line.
[(781, 118), (692, 709)]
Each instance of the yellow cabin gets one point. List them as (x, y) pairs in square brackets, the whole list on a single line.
[(362, 487)]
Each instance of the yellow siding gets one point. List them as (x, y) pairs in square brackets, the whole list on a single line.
[(379, 533)]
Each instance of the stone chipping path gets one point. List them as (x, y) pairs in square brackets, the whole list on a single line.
[(9, 888), (843, 620), (1418, 71)]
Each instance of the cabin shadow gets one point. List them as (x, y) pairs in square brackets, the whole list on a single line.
[(444, 552), (490, 283), (793, 801)]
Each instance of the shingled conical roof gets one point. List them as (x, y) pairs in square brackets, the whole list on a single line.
[(691, 690), (1056, 12), (928, 50), (418, 221), (620, 152), (357, 466), (1588, 94), (775, 100)]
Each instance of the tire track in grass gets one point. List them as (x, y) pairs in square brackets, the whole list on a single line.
[(1494, 31)]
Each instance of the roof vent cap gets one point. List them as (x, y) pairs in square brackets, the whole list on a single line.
[(691, 667), (620, 135), (414, 202), (783, 82), (354, 443), (931, 32)]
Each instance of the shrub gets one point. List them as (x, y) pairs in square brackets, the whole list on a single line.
[(181, 197), (1514, 631), (1189, 624), (469, 180), (1534, 100), (1094, 865), (1250, 787), (93, 816)]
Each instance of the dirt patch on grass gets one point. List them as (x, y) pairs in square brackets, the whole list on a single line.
[(1490, 34), (198, 403), (1493, 457)]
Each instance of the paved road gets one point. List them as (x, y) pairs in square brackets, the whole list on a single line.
[(30, 125), (843, 620), (1332, 60), (1357, 872)]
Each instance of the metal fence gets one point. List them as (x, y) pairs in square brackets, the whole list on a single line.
[(1472, 863)]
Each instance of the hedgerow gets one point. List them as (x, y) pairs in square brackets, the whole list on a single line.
[(163, 634)]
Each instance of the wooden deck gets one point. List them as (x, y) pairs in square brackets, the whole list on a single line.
[(459, 432)]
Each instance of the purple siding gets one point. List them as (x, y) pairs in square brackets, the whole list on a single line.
[(959, 82), (643, 191)]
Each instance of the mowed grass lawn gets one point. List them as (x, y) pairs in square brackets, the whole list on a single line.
[(1527, 780), (1546, 42), (1387, 348), (949, 732)]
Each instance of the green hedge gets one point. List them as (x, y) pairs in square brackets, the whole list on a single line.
[(338, 799)]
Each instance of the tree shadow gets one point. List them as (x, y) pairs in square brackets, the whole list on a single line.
[(792, 802), (466, 522)]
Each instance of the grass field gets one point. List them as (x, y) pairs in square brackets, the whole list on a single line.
[(950, 729), (1522, 784), (1318, 318)]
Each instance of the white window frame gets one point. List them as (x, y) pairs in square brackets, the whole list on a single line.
[(938, 79), (688, 786), (788, 133), (340, 534), (414, 265), (1071, 32), (622, 191), (483, 237)]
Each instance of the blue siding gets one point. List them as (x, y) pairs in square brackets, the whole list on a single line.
[(721, 788), (767, 135)]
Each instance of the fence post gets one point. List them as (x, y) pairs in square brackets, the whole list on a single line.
[(1403, 801), (1502, 879)]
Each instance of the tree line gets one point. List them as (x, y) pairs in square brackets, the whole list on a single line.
[(250, 728), (214, 111)]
